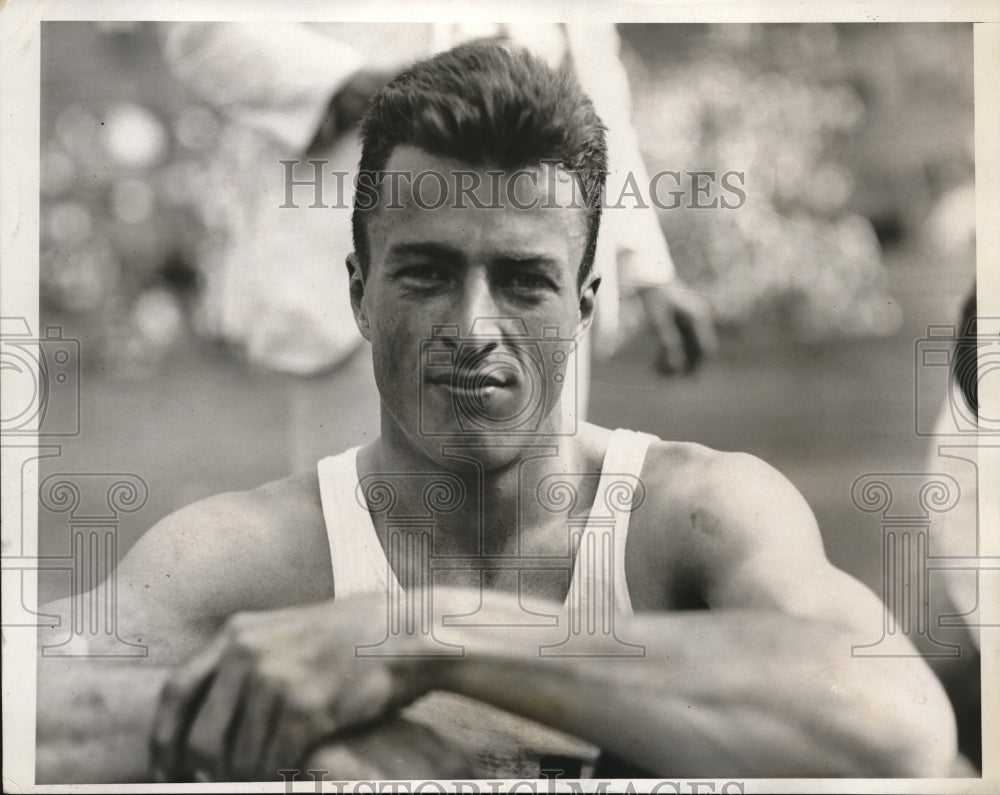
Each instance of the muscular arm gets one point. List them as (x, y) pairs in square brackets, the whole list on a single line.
[(174, 588), (94, 711), (738, 693), (762, 684), (93, 718)]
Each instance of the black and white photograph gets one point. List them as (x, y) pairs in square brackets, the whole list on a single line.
[(523, 397)]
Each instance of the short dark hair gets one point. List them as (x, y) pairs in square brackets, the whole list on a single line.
[(487, 102)]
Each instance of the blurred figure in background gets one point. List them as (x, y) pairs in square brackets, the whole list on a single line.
[(954, 607), (297, 91)]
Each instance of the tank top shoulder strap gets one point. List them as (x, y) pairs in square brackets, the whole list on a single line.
[(595, 577), (359, 562)]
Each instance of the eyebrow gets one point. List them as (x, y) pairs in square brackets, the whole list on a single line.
[(528, 260), (441, 251), (435, 250)]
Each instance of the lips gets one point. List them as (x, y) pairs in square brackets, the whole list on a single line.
[(471, 380), (472, 370)]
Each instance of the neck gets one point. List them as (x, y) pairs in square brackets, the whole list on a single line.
[(480, 491)]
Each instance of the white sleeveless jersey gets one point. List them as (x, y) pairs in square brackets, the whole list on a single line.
[(502, 745)]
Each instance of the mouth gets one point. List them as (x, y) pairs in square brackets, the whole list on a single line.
[(477, 380)]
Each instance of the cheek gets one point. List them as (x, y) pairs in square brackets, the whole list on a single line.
[(395, 342), (563, 311)]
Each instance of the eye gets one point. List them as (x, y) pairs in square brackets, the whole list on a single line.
[(528, 281), (425, 275)]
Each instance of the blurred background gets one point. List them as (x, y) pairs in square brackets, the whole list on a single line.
[(856, 142)]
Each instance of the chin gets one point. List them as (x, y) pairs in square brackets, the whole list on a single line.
[(486, 452)]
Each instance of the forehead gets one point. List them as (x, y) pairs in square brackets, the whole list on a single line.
[(480, 210)]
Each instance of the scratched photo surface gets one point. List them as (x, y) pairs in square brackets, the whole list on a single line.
[(813, 184)]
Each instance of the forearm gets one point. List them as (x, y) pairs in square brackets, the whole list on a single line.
[(94, 710), (716, 693), (93, 720), (726, 693)]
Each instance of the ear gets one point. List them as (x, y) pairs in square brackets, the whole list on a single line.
[(357, 288), (588, 302)]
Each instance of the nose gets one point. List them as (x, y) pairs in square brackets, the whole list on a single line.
[(479, 307), (481, 313)]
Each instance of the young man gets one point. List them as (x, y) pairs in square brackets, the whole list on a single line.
[(486, 584)]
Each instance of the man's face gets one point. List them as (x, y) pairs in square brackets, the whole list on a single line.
[(471, 302)]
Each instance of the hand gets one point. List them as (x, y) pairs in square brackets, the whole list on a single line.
[(347, 107), (352, 100), (682, 322), (271, 686)]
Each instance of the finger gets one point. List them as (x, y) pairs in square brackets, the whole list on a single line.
[(698, 331), (704, 329), (221, 711), (672, 357), (693, 350), (178, 706), (292, 735), (249, 736)]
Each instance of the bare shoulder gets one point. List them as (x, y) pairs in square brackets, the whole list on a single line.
[(707, 512), (735, 532), (703, 472), (727, 498), (247, 550)]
